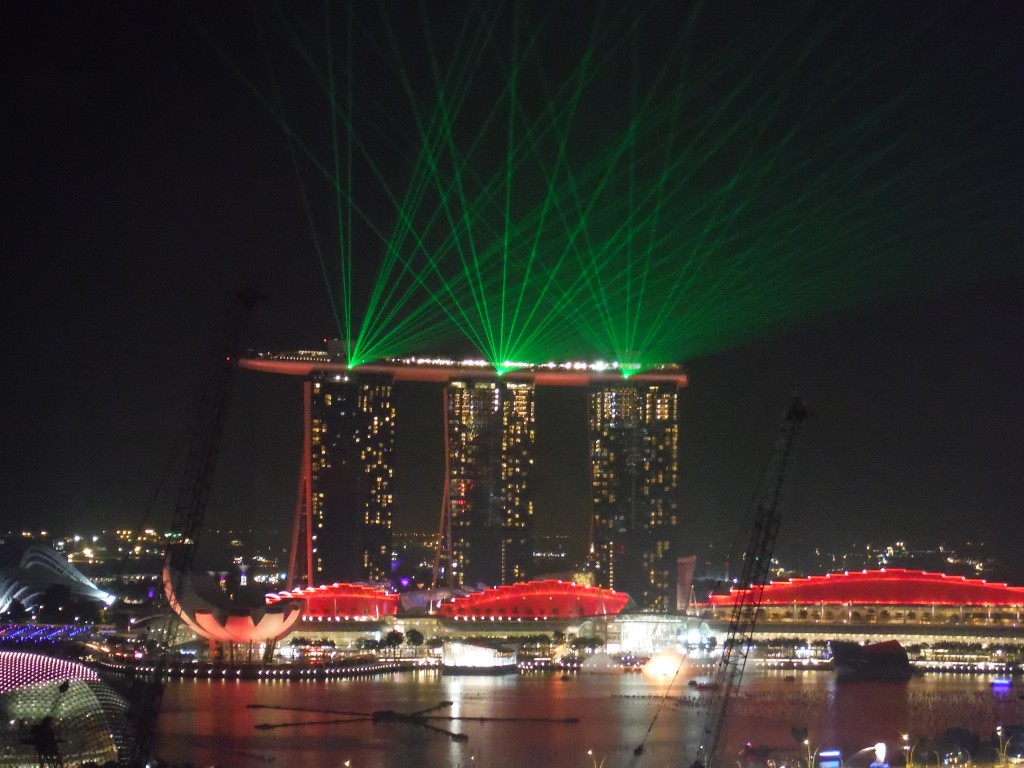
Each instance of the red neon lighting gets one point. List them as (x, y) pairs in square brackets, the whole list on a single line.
[(341, 601), (549, 599), (890, 586)]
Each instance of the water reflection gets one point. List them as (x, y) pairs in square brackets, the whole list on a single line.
[(211, 722)]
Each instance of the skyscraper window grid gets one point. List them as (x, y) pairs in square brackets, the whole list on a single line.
[(490, 426), (352, 444), (634, 437)]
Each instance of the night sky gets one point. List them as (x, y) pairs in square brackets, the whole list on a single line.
[(144, 179)]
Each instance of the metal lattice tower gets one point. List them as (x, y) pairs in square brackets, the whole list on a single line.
[(756, 564)]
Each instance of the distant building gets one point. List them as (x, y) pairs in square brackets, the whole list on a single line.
[(490, 428), (350, 436), (634, 443)]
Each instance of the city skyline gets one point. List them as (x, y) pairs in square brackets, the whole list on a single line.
[(145, 178)]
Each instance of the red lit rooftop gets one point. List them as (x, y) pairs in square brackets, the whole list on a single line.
[(532, 600), (544, 599), (566, 374), (889, 586), (348, 601)]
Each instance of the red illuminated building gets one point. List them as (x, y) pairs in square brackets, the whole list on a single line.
[(887, 595), (536, 600), (530, 600), (891, 586), (341, 601)]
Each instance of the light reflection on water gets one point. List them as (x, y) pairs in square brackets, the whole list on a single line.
[(210, 722)]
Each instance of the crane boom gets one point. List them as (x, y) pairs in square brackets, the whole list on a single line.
[(750, 588), (208, 426), (209, 414)]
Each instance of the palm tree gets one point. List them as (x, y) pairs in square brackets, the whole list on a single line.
[(393, 640)]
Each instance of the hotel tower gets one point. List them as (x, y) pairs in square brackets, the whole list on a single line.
[(487, 527), (342, 523), (634, 442), (345, 491)]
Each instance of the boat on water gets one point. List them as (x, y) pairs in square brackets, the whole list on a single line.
[(886, 661)]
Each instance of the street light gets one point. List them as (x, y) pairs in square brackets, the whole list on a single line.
[(908, 750), (1004, 744), (810, 755), (594, 758)]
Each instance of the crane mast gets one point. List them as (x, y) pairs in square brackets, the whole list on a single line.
[(750, 588), (208, 417), (210, 412)]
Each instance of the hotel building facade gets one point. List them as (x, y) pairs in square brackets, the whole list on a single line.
[(350, 435), (634, 449), (488, 523), (342, 528)]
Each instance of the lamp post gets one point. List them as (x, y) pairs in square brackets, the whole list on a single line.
[(1004, 744), (908, 750), (810, 755), (594, 759)]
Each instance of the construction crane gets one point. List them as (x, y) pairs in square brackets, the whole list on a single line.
[(750, 588), (208, 417)]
